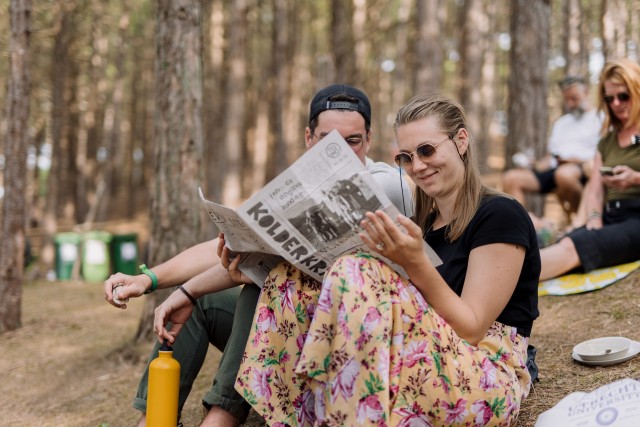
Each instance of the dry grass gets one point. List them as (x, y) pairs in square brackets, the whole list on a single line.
[(71, 364)]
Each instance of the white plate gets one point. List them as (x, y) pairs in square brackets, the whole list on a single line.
[(633, 351), (601, 349)]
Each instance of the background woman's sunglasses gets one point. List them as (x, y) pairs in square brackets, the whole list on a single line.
[(424, 151), (622, 97)]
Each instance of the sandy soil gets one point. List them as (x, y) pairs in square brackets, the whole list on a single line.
[(72, 362)]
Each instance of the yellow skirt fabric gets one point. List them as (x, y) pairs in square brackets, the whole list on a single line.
[(366, 349)]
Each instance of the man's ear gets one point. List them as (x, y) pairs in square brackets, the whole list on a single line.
[(307, 137), (367, 142)]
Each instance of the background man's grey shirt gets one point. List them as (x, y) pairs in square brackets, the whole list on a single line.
[(388, 178)]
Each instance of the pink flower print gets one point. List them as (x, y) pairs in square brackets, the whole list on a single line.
[(324, 302), (413, 418), (343, 323), (353, 273), (456, 413), (320, 407), (266, 321), (286, 290), (345, 380), (482, 411), (260, 383), (398, 338), (310, 309), (305, 408), (369, 409), (371, 320), (383, 364), (488, 379), (300, 341), (415, 352)]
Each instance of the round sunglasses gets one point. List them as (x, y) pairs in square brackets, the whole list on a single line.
[(424, 151), (622, 97)]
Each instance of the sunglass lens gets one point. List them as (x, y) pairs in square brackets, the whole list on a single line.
[(403, 160), (623, 97), (608, 99), (426, 150)]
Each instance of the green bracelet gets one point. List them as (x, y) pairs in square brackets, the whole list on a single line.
[(154, 278)]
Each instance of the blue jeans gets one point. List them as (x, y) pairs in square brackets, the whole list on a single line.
[(224, 320)]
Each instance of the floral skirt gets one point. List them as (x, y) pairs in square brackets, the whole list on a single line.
[(364, 348)]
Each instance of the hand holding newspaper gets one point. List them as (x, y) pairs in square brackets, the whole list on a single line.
[(308, 215)]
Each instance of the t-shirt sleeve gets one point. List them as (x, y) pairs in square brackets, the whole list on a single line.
[(501, 219)]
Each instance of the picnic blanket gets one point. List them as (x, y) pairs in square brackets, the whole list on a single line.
[(585, 282)]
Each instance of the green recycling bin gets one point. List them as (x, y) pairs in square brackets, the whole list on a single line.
[(66, 245), (124, 253), (96, 262)]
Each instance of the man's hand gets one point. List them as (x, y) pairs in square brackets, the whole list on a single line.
[(177, 309), (123, 286)]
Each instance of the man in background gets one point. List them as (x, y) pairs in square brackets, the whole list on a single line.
[(567, 164)]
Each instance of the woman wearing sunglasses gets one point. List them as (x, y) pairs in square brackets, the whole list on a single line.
[(611, 235), (448, 345)]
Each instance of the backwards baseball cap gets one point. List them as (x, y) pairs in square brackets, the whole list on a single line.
[(322, 101)]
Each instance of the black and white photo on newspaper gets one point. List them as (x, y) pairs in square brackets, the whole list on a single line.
[(310, 214)]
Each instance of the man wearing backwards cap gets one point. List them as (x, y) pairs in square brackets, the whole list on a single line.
[(224, 312)]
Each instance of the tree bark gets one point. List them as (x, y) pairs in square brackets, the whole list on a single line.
[(614, 23), (430, 15), (528, 116), (176, 214), (15, 173)]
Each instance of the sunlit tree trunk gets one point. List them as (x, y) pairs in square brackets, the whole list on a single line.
[(176, 212), (14, 208), (279, 85), (574, 43), (528, 116), (430, 17), (342, 42), (474, 44), (234, 113), (614, 28)]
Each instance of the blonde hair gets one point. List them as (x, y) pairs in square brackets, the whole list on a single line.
[(451, 118), (626, 72)]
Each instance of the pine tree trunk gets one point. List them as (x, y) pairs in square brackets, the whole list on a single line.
[(14, 209), (176, 213)]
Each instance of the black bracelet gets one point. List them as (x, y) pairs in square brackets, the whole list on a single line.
[(186, 292)]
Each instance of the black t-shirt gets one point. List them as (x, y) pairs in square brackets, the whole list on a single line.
[(499, 219)]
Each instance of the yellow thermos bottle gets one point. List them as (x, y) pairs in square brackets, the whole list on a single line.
[(164, 382)]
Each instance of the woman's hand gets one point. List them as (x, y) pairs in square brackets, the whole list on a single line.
[(623, 177), (231, 265), (383, 236), (118, 288), (177, 309)]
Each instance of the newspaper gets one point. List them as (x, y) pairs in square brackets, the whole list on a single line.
[(308, 215), (614, 404)]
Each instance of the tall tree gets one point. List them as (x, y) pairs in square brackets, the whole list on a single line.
[(15, 172), (234, 113), (430, 15), (175, 209), (528, 117), (474, 43), (574, 47), (614, 28), (343, 42)]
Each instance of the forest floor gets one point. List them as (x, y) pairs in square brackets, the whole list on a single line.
[(72, 362)]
